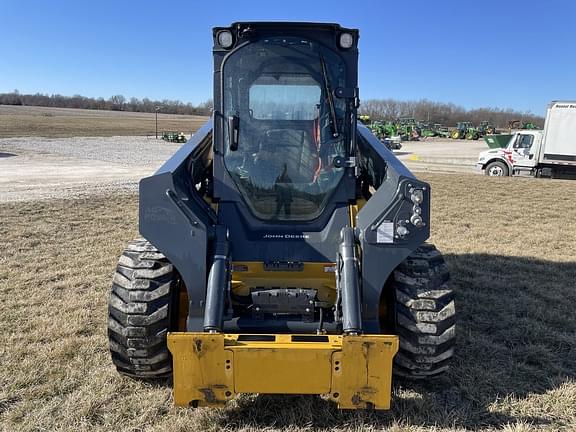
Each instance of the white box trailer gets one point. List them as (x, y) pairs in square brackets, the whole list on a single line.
[(559, 142), (550, 152)]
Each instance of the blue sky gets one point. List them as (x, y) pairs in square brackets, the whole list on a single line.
[(507, 54)]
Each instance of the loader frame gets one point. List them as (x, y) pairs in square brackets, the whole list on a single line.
[(378, 216)]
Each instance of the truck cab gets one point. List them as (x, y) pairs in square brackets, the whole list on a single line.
[(519, 156), (550, 152)]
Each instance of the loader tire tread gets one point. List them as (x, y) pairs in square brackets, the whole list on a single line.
[(138, 312), (425, 315)]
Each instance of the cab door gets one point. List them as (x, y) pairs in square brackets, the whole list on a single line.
[(524, 149)]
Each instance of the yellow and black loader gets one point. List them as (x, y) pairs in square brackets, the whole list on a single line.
[(283, 246)]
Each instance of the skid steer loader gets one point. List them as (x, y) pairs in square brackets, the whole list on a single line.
[(283, 245)]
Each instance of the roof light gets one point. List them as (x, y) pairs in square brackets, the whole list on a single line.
[(225, 39), (346, 40)]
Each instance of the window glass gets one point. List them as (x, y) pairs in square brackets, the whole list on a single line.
[(284, 97), (524, 142), (280, 89)]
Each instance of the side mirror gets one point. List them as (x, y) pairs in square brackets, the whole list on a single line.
[(233, 130)]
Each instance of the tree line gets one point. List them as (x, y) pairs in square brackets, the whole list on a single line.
[(378, 109), (114, 103), (447, 114)]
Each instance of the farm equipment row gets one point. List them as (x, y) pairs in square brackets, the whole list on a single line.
[(409, 129)]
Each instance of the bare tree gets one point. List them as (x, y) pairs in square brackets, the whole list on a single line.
[(117, 102), (443, 113), (378, 109)]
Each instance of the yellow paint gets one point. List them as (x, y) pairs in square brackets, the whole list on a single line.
[(353, 211), (364, 375), (414, 157), (211, 203), (354, 371), (318, 276), (199, 369)]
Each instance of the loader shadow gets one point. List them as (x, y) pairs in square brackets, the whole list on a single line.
[(515, 319)]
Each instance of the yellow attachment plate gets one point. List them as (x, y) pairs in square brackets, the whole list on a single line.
[(354, 371)]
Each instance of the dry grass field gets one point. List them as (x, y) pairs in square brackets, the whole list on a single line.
[(17, 121), (511, 248)]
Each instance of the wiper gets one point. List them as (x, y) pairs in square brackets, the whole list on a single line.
[(328, 90)]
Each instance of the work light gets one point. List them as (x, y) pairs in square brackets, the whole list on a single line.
[(346, 40), (417, 196), (225, 39)]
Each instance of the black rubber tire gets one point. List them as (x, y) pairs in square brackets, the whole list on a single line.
[(139, 312), (501, 165), (425, 315)]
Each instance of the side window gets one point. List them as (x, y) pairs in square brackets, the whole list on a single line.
[(523, 142)]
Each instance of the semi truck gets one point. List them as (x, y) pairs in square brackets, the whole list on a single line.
[(550, 152)]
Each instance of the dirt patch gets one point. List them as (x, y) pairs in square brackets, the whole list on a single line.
[(513, 270)]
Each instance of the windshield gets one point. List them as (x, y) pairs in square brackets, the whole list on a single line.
[(290, 126)]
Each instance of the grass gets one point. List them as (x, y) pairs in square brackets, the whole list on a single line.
[(17, 121), (510, 247)]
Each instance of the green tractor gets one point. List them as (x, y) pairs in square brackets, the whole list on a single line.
[(386, 133), (174, 136), (519, 124), (427, 130), (381, 130), (408, 129), (529, 125), (365, 119), (485, 128), (465, 130), (441, 130)]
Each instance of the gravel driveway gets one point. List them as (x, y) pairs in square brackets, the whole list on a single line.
[(46, 168), (43, 168)]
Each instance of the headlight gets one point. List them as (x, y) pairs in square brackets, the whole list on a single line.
[(225, 39), (417, 196), (346, 40)]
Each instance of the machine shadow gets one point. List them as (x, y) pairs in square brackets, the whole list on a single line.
[(514, 326)]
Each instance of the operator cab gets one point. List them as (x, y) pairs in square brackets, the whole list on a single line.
[(285, 117)]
